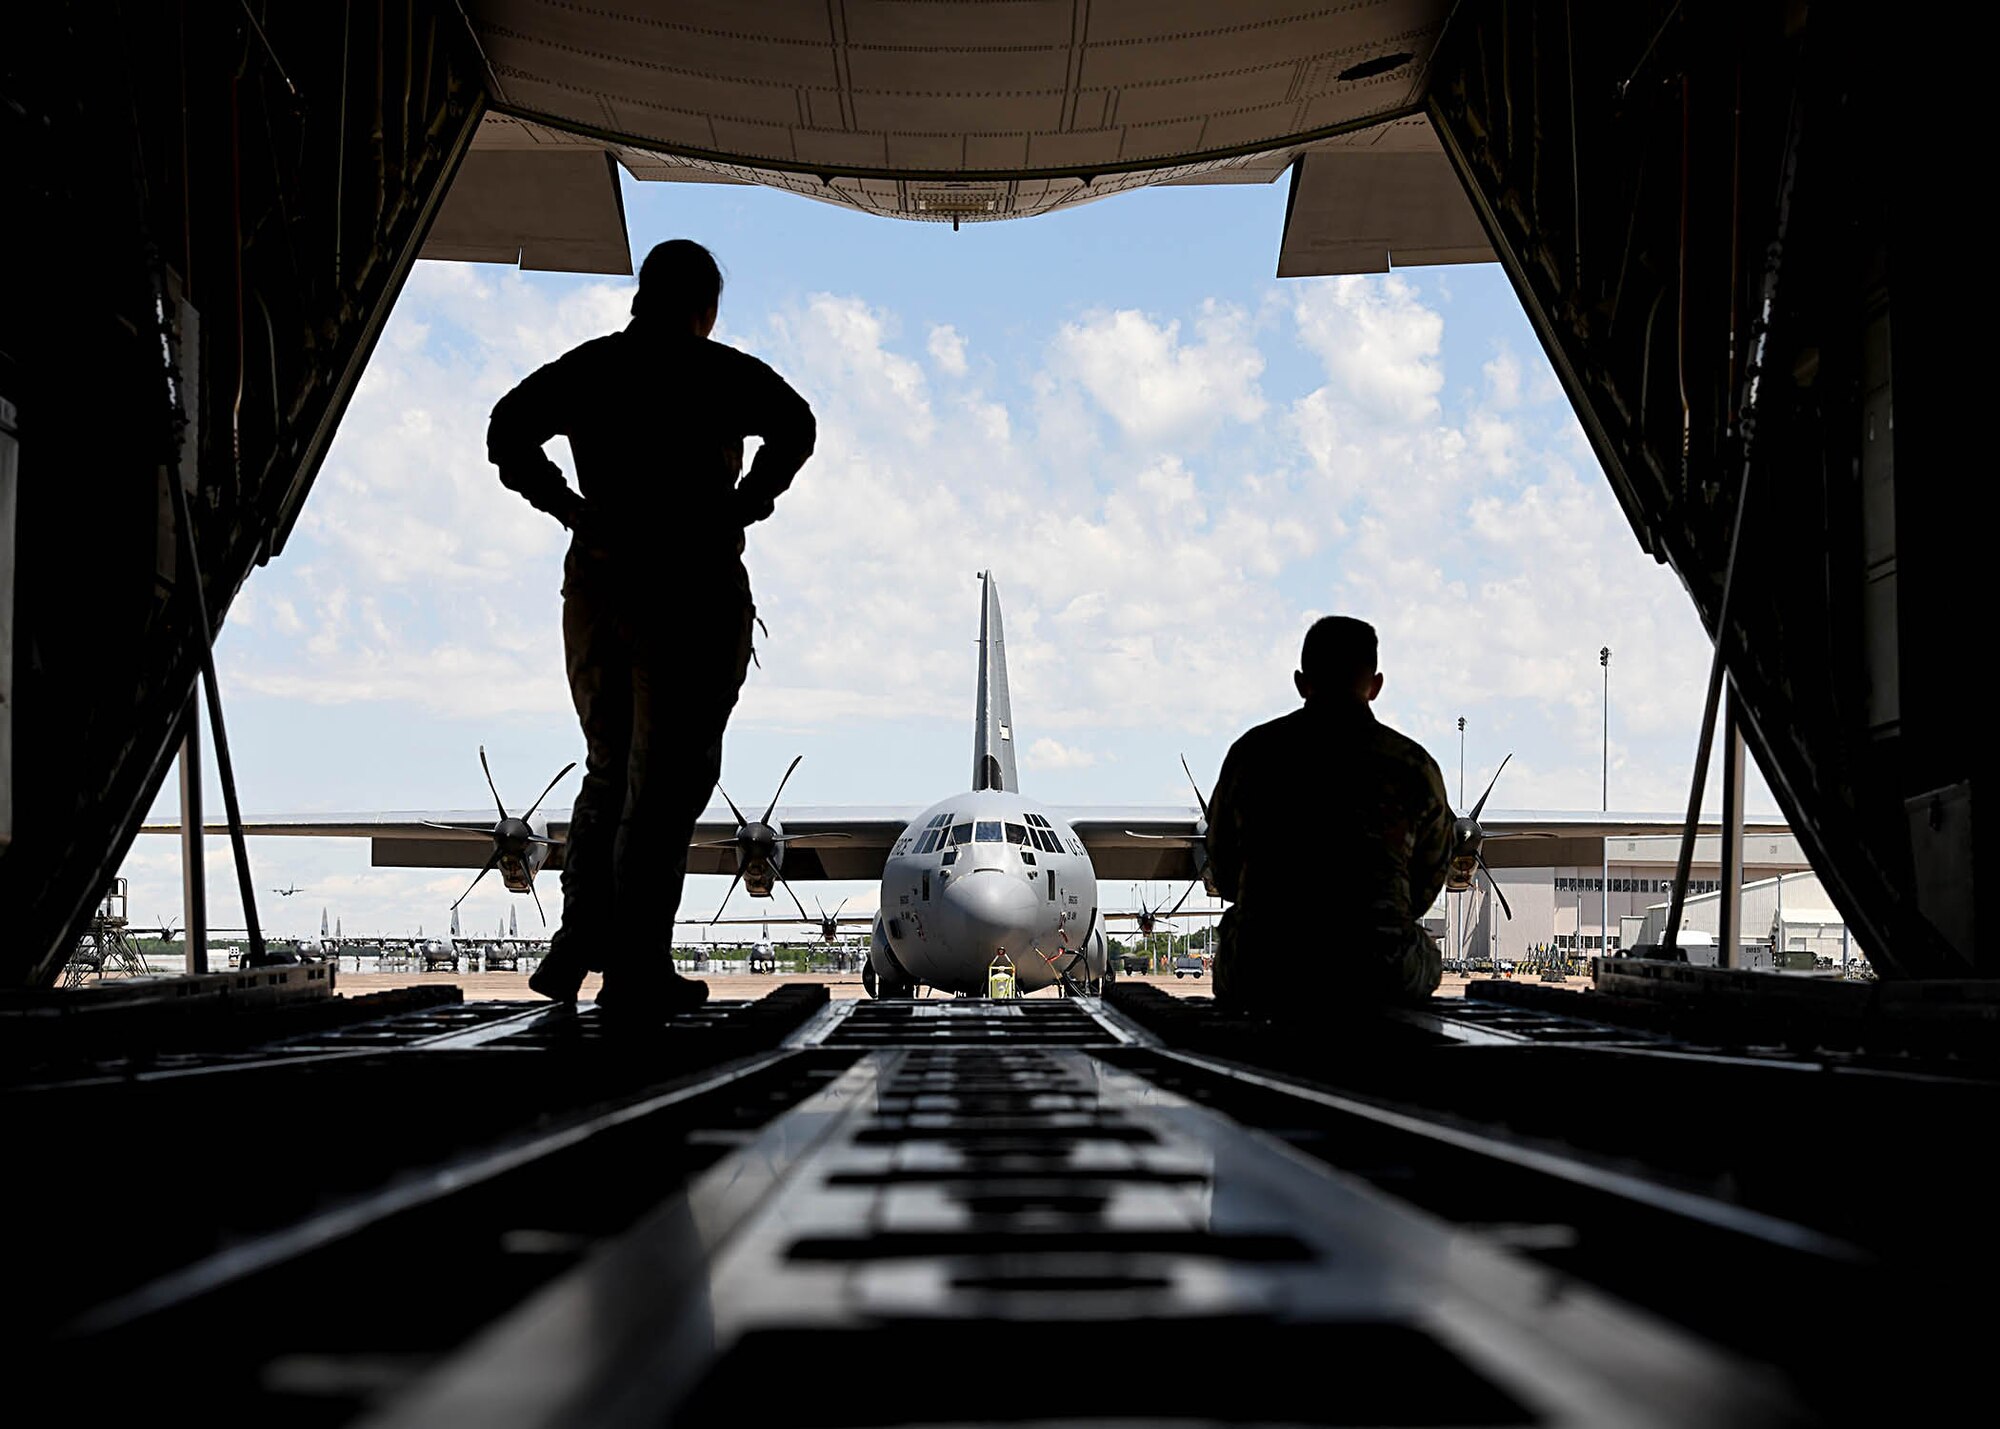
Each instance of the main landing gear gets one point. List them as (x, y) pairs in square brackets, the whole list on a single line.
[(881, 988)]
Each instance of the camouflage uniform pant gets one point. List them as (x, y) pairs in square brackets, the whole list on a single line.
[(654, 680), (1254, 973)]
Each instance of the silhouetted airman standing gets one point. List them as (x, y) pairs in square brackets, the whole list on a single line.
[(657, 613), (1328, 810)]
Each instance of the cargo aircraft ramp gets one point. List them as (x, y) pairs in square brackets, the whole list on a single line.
[(1046, 1209)]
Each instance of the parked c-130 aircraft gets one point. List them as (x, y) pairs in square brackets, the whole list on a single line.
[(989, 875), (984, 876)]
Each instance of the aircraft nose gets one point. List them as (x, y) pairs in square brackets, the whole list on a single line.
[(991, 911)]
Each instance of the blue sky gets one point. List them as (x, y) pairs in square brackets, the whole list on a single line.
[(1171, 460)]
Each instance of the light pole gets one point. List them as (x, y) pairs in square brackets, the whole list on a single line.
[(1604, 659), (1454, 938), (1461, 761), (1604, 917)]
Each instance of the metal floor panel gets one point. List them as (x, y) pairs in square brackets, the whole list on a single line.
[(969, 1021)]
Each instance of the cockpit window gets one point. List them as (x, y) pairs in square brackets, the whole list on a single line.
[(989, 831), (1017, 833), (961, 833), (929, 842), (1046, 841)]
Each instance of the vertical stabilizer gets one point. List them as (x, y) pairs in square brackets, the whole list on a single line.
[(993, 736), (454, 924)]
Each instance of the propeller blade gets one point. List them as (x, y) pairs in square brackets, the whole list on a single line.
[(836, 907), (1479, 807), (538, 905), (781, 787), (498, 803), (491, 864), (732, 889), (794, 838), (1199, 797), (1135, 834), (545, 793), (1183, 898), (450, 829), (1492, 884), (732, 806), (795, 897)]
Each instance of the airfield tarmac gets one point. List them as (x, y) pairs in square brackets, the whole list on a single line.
[(501, 987)]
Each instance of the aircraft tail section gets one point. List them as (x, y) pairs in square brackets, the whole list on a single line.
[(993, 735)]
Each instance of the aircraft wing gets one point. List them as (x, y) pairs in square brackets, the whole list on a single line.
[(1138, 841), (411, 823), (840, 842), (855, 920), (1547, 838), (398, 839), (1589, 823), (1141, 841), (1160, 841)]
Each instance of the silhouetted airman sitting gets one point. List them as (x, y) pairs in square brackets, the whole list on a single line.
[(1327, 806)]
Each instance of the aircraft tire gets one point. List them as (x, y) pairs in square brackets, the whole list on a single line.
[(868, 978)]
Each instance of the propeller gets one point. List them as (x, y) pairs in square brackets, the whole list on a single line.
[(512, 837), (1199, 797), (762, 840), (829, 923), (1468, 840), (1148, 917), (1480, 807), (1493, 884)]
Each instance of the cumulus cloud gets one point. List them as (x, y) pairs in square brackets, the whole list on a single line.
[(1503, 379), (947, 350), (1378, 342), (1048, 753), (1156, 386)]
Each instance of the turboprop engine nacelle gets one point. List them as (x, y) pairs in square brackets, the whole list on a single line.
[(1096, 955), (882, 967), (760, 856)]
